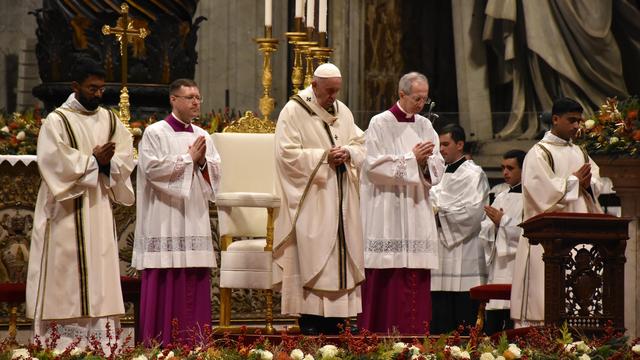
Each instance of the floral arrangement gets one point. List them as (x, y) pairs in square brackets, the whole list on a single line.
[(539, 343), (19, 132), (613, 130)]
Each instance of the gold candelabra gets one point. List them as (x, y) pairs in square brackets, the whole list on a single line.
[(266, 46), (297, 71)]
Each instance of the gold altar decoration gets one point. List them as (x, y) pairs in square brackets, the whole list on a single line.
[(267, 45), (125, 32), (321, 53), (250, 123)]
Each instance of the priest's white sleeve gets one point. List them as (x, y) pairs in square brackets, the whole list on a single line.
[(68, 172), (121, 166), (460, 220), (168, 173), (212, 168), (383, 168), (488, 237)]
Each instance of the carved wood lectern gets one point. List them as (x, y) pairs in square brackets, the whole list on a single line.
[(584, 268)]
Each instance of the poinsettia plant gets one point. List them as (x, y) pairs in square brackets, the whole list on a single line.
[(614, 130)]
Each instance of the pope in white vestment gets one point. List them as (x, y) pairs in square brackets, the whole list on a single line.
[(558, 176), (74, 270), (318, 253)]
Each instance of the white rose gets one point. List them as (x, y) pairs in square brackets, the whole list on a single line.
[(160, 355), (582, 346), (464, 355), (487, 356), (171, 354), (76, 351), (414, 350), (296, 354), (5, 129), (21, 135), (266, 355), (514, 350), (328, 351), (415, 356), (20, 354), (589, 124), (140, 357), (584, 357), (613, 140), (635, 348), (500, 357), (308, 357), (399, 347), (454, 350)]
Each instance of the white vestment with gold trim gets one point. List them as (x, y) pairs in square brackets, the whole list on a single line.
[(318, 274)]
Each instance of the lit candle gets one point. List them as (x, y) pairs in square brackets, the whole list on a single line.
[(267, 12), (322, 16), (311, 8), (299, 8)]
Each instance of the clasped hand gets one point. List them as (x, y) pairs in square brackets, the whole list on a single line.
[(198, 150), (104, 153), (494, 214), (337, 156), (422, 151), (584, 176)]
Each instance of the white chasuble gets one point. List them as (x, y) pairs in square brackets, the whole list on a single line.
[(318, 248), (548, 186), (74, 271), (500, 242), (172, 226), (398, 223), (459, 200)]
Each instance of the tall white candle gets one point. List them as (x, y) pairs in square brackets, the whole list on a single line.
[(267, 13), (322, 16), (299, 8), (311, 8)]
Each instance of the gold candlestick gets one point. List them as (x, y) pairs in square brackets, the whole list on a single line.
[(297, 74), (305, 47), (321, 54), (266, 46)]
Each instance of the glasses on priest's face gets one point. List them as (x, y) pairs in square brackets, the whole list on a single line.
[(419, 99), (191, 98)]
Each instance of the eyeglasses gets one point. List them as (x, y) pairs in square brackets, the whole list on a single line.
[(191, 98), (417, 99)]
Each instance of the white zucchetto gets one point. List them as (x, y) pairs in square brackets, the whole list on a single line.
[(327, 70)]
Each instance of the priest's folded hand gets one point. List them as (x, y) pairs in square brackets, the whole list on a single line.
[(104, 153), (198, 150)]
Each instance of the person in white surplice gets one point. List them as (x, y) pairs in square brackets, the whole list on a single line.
[(557, 176), (500, 233), (178, 175), (459, 201), (318, 254), (85, 157), (401, 240)]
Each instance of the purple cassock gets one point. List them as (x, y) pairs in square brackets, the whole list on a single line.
[(396, 299), (183, 294)]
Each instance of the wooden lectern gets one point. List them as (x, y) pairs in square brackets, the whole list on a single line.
[(584, 268)]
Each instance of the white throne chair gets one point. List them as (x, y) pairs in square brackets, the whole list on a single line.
[(246, 200)]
